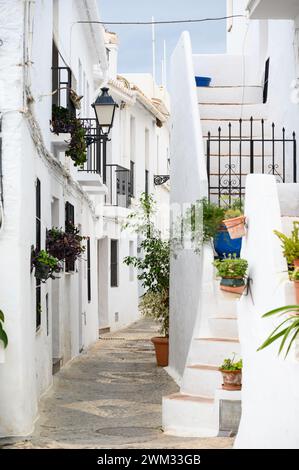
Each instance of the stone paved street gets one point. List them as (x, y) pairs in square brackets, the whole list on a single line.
[(110, 397)]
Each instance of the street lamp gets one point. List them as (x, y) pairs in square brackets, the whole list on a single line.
[(104, 108)]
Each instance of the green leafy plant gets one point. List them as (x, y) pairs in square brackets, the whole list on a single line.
[(45, 265), (212, 219), (3, 334), (65, 244), (153, 264), (232, 213), (231, 267), (287, 330), (290, 244), (230, 364), (63, 121), (155, 305), (294, 276)]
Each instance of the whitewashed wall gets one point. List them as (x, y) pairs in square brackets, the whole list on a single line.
[(188, 184), (270, 407), (27, 371)]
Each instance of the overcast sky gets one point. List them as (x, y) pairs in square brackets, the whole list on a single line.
[(135, 54)]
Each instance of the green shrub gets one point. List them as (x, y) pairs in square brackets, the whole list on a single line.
[(290, 244), (230, 364), (231, 267), (3, 335)]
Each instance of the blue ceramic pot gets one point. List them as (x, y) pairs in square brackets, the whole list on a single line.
[(225, 246), (202, 81)]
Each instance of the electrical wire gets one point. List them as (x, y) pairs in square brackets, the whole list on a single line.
[(200, 20)]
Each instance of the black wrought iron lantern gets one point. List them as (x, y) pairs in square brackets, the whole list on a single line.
[(104, 108)]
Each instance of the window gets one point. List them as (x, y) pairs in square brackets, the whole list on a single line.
[(88, 272), (132, 179), (265, 91), (131, 253), (146, 185), (114, 263), (38, 247), (69, 221)]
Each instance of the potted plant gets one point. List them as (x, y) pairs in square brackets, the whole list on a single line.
[(234, 221), (45, 265), (3, 334), (153, 271), (232, 271), (295, 278), (287, 330), (232, 374), (290, 245), (155, 305)]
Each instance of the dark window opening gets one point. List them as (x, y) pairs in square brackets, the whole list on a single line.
[(266, 81), (88, 272), (69, 222), (146, 189), (114, 263), (38, 248), (132, 179)]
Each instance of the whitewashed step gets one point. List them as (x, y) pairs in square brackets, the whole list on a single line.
[(230, 94), (185, 415), (201, 379), (224, 326), (213, 350), (224, 69), (232, 111)]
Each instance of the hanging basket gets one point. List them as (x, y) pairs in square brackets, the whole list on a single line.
[(233, 285), (235, 227)]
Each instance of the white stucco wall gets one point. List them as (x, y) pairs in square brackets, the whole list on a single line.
[(188, 184), (269, 400)]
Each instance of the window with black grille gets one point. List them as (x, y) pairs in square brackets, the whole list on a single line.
[(88, 271), (38, 248), (114, 263), (69, 223)]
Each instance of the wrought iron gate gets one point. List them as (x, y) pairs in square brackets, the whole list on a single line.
[(232, 155)]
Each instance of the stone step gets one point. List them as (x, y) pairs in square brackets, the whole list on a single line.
[(225, 325), (201, 379), (232, 111), (213, 350), (188, 415), (230, 94)]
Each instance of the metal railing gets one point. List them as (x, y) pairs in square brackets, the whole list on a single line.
[(61, 86), (119, 186), (231, 157), (95, 162)]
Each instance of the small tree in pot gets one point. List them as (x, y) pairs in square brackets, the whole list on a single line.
[(153, 272)]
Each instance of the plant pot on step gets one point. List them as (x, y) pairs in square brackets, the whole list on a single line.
[(161, 344), (232, 284), (296, 284), (232, 379), (235, 227), (224, 245)]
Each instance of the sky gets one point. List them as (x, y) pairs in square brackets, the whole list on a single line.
[(135, 52)]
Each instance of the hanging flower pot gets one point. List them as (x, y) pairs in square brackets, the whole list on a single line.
[(231, 374), (45, 265), (232, 284), (232, 271), (235, 226)]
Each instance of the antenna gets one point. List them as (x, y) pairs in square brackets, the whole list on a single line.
[(154, 48)]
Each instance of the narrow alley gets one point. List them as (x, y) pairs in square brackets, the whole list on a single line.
[(110, 397)]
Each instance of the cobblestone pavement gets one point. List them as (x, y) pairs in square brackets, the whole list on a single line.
[(110, 397)]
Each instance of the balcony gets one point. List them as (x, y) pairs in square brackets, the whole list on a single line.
[(120, 185), (269, 9), (63, 106), (92, 176)]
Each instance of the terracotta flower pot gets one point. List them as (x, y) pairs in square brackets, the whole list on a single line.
[(296, 263), (235, 226), (234, 285), (296, 284), (161, 347), (232, 379)]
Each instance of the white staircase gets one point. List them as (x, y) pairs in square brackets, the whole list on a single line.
[(194, 411)]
